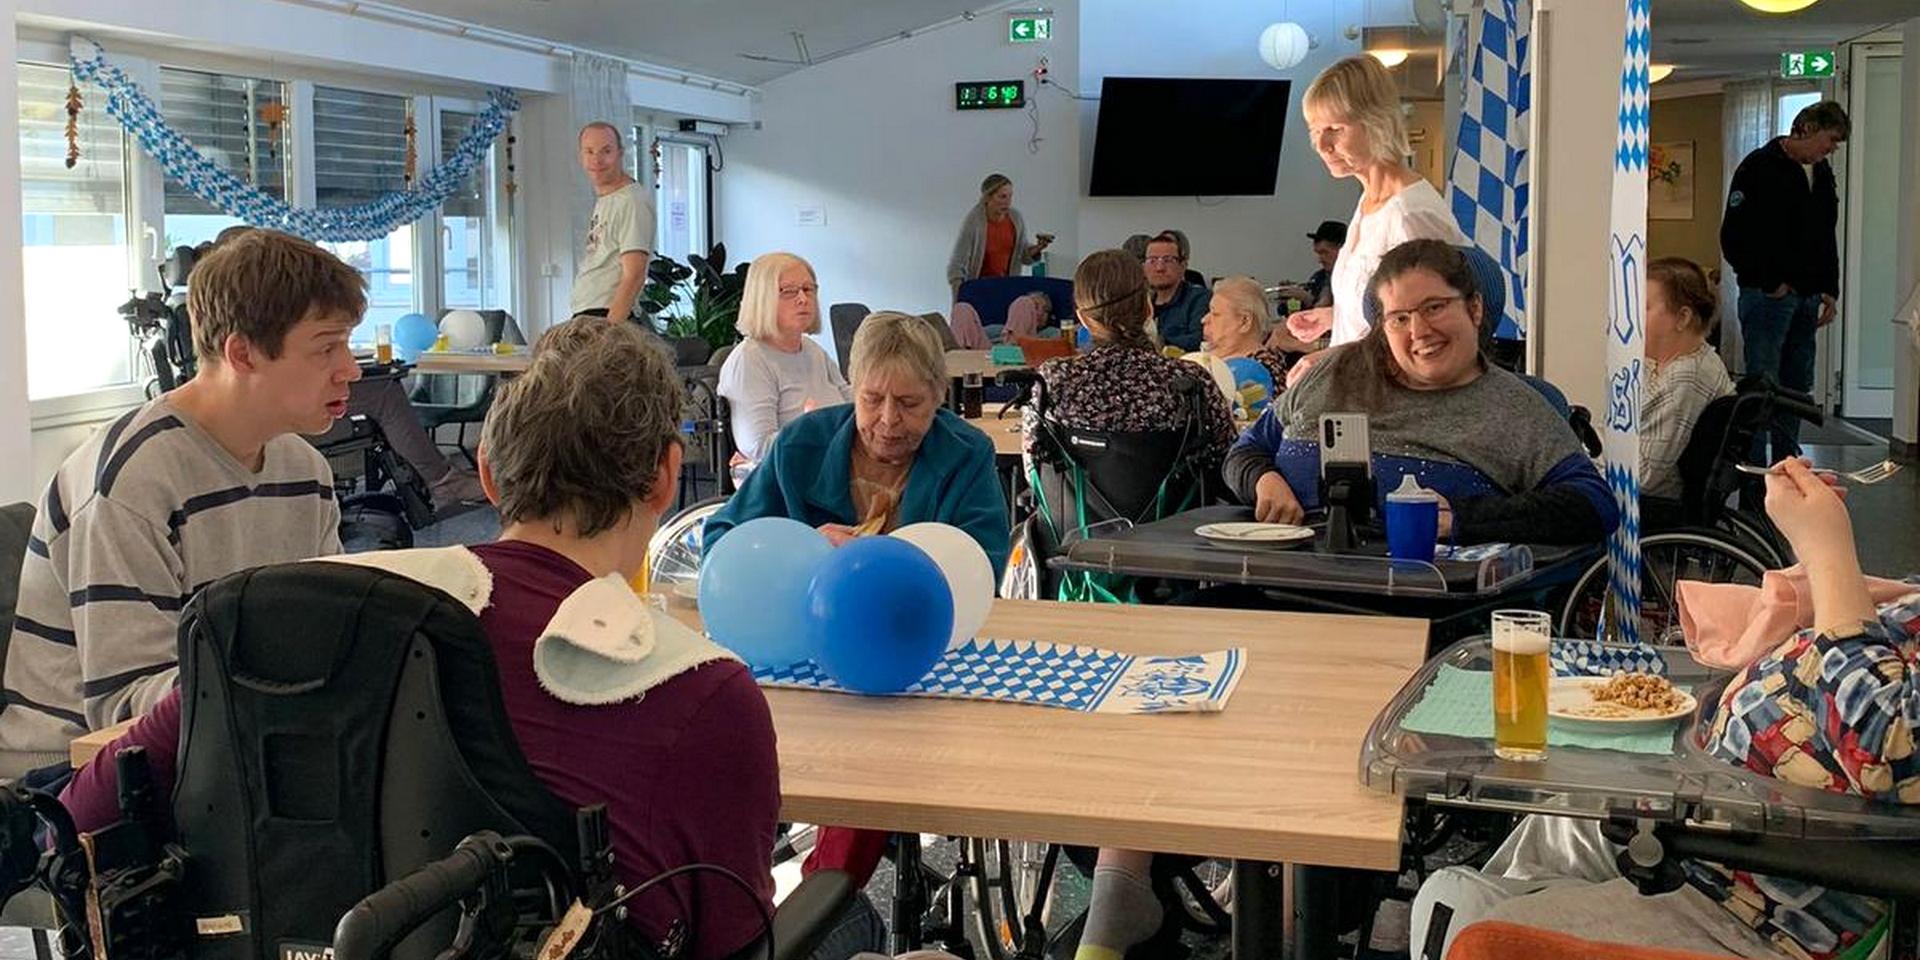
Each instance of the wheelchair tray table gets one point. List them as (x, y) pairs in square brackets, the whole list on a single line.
[(1169, 548), (1688, 786)]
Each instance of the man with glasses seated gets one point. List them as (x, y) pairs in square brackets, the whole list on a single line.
[(1179, 307)]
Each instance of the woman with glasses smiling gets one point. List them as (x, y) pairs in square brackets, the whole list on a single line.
[(1507, 467), (778, 373)]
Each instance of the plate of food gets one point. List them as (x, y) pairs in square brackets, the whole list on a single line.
[(1622, 701), (1253, 534)]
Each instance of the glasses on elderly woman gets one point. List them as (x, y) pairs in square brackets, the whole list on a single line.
[(1429, 310), (793, 292)]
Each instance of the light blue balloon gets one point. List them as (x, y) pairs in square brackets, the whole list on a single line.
[(881, 615), (412, 334), (753, 590)]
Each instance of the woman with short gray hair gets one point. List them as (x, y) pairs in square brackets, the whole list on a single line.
[(1237, 324)]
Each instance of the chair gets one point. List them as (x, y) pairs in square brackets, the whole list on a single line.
[(719, 358), (1085, 479), (991, 296), (16, 530), (340, 715), (939, 323), (463, 400), (845, 318), (689, 351)]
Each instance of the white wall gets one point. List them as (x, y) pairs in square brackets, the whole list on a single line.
[(1261, 236), (874, 140), (16, 478), (1577, 65)]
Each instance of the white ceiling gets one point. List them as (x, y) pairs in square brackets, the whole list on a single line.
[(1717, 38), (704, 36)]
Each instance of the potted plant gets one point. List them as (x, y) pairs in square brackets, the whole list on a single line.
[(700, 299)]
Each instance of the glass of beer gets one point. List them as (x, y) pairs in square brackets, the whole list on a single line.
[(1520, 674), (383, 342)]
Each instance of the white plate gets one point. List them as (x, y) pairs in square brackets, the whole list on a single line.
[(1241, 534), (1567, 694)]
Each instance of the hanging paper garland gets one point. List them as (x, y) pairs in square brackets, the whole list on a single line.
[(73, 124), (219, 186)]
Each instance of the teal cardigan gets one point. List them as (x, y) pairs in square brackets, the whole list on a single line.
[(809, 477)]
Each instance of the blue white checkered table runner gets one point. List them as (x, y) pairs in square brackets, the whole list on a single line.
[(1061, 675), (1591, 658)]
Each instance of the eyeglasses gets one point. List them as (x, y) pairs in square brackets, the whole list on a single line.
[(1429, 310), (793, 293), (1162, 261)]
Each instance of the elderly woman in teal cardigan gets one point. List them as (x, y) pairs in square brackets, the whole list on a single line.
[(892, 458)]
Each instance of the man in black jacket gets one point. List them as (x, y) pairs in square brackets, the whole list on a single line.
[(1778, 233)]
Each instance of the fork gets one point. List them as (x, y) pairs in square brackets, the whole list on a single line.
[(1865, 476)]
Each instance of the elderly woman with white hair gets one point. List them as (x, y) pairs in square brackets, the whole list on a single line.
[(1237, 324), (1354, 119), (777, 373), (893, 458)]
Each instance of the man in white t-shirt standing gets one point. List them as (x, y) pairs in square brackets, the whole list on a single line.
[(613, 266)]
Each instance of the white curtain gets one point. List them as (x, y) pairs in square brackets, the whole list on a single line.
[(1747, 123), (598, 92)]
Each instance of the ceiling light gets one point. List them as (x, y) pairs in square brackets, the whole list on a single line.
[(1779, 6), (1390, 58), (1657, 72), (1284, 45)]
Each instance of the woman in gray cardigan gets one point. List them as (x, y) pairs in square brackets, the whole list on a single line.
[(993, 237)]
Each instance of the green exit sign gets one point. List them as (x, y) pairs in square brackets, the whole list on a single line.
[(1029, 29), (1807, 63), (990, 95)]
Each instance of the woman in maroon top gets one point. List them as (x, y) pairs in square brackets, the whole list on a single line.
[(581, 454)]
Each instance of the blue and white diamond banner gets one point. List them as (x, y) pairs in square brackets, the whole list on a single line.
[(217, 185), (1626, 326), (1487, 186), (1085, 679)]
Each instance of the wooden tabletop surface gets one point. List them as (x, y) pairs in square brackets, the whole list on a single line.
[(462, 362), (1272, 777), (962, 362)]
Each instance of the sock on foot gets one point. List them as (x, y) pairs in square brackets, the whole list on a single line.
[(1122, 912)]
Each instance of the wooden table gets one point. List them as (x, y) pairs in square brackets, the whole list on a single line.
[(500, 363), (1269, 780), (962, 362), (1005, 432)]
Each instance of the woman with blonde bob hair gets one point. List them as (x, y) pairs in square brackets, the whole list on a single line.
[(777, 373), (1354, 119)]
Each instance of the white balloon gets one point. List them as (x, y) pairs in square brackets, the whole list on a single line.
[(965, 565), (1221, 373), (465, 329), (1284, 45)]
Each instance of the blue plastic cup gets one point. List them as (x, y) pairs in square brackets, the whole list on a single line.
[(1412, 527)]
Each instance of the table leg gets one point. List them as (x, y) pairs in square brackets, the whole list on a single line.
[(909, 893), (1316, 927), (1257, 918)]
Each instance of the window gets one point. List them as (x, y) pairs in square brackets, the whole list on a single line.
[(680, 199), (75, 251), (472, 235), (360, 153), (1790, 106), (237, 122)]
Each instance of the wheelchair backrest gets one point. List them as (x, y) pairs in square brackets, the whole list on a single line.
[(1722, 437), (341, 726), (1086, 477)]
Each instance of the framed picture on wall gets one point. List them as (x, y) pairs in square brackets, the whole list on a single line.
[(1670, 180)]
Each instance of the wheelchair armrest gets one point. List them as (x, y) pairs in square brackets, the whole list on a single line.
[(1888, 869), (803, 921)]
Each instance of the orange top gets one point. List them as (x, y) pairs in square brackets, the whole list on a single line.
[(998, 261)]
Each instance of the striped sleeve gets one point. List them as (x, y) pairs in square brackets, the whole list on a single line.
[(126, 587)]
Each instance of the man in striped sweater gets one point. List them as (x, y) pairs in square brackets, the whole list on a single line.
[(201, 482)]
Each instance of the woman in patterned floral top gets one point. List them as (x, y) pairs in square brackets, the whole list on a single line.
[(1237, 325), (1833, 707), (1124, 383)]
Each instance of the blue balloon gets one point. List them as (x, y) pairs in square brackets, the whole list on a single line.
[(413, 334), (1248, 372), (753, 590), (881, 613)]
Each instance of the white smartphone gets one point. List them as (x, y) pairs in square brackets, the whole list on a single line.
[(1343, 439)]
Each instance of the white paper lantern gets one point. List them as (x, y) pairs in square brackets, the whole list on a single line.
[(1284, 45)]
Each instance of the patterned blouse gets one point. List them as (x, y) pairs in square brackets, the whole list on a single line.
[(1114, 387), (1837, 715)]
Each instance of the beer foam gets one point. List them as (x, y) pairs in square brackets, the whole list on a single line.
[(1525, 643)]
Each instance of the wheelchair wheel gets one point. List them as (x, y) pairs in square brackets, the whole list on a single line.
[(1012, 881), (1757, 533), (1666, 559), (673, 555)]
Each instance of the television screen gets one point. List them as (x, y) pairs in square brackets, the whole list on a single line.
[(1167, 137)]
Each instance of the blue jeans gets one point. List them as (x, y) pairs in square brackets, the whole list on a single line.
[(1779, 333)]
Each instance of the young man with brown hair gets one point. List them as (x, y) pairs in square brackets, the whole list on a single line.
[(203, 481)]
